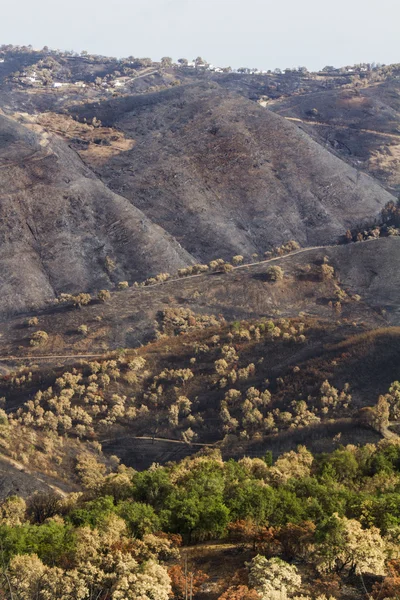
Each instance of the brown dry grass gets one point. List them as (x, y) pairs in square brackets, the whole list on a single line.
[(96, 145)]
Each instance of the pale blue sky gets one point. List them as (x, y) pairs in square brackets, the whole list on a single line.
[(252, 33)]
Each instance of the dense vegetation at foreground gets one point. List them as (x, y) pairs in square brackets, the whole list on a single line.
[(302, 526)]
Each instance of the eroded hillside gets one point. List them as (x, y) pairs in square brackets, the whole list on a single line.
[(361, 125), (192, 170), (61, 229), (224, 176)]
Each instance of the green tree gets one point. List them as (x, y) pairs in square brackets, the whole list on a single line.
[(251, 500), (152, 487), (140, 518)]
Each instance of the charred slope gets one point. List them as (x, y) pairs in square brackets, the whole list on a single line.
[(58, 223), (127, 320), (371, 270), (360, 125), (224, 175), (355, 344)]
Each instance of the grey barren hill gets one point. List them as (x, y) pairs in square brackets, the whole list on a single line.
[(362, 125), (202, 172), (58, 224), (223, 175), (128, 319)]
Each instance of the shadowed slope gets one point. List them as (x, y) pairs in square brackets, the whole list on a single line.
[(58, 224), (224, 175), (361, 125)]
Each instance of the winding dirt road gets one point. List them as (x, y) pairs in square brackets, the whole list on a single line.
[(166, 283), (394, 136)]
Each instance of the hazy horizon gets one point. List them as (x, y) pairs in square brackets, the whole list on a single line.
[(255, 33)]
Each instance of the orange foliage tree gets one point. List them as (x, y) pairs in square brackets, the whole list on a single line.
[(390, 586), (182, 582), (296, 540), (241, 592), (247, 533)]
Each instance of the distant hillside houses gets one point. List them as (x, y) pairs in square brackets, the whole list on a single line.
[(328, 70), (204, 66), (360, 68), (55, 69), (29, 77), (215, 69)]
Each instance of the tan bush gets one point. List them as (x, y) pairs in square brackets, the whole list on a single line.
[(227, 268), (177, 320), (185, 272), (199, 269), (221, 366), (109, 265), (90, 471), (39, 338), (216, 264), (77, 300), (229, 353), (189, 436), (327, 272), (161, 277), (104, 295), (32, 322), (292, 245), (275, 273)]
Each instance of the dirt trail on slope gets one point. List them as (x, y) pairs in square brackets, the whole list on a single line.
[(394, 136), (160, 439), (149, 289)]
